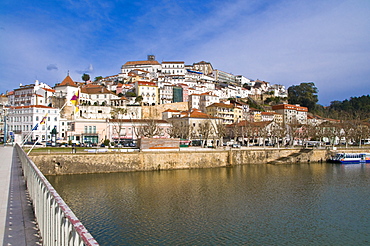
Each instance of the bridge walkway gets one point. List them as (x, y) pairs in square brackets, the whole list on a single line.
[(18, 225)]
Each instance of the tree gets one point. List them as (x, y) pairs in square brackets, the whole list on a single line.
[(85, 77), (118, 113), (303, 94), (149, 129), (220, 131), (98, 78), (205, 130), (139, 99), (130, 94)]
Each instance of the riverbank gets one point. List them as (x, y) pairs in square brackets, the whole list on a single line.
[(77, 163)]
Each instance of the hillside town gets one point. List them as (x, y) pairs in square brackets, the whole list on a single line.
[(149, 99)]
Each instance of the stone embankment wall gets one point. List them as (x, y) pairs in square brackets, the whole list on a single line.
[(56, 164)]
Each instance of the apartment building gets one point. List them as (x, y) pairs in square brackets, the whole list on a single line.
[(149, 92), (292, 114), (33, 94), (224, 77), (229, 113), (22, 119)]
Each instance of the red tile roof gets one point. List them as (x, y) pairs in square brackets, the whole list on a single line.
[(47, 89), (289, 106), (146, 83), (131, 63), (32, 106), (68, 82)]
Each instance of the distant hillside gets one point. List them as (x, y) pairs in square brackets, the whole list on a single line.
[(354, 108)]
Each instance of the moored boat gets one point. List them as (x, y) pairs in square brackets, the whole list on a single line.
[(350, 158)]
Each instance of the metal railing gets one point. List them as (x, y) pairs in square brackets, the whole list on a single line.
[(57, 223)]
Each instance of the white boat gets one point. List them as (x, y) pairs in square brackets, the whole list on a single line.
[(350, 158)]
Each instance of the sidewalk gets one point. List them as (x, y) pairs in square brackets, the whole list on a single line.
[(17, 222)]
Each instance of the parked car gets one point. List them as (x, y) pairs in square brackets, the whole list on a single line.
[(32, 143), (236, 146)]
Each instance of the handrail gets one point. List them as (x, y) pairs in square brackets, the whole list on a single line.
[(58, 225)]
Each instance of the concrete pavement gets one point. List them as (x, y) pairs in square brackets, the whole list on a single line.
[(18, 225)]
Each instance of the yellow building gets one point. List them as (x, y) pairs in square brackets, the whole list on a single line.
[(228, 112), (149, 92)]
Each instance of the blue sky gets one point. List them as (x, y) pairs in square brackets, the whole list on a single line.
[(283, 42)]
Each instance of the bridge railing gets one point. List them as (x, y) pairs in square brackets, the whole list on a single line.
[(57, 223)]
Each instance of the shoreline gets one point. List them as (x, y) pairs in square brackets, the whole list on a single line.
[(79, 163)]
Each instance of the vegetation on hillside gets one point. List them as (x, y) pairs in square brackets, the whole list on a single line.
[(305, 94)]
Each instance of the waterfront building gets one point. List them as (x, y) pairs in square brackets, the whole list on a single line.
[(87, 131), (252, 133), (195, 125), (229, 113), (22, 119), (130, 130), (292, 113)]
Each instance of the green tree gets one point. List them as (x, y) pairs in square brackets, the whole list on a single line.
[(304, 94), (98, 78), (85, 77), (139, 99), (130, 94)]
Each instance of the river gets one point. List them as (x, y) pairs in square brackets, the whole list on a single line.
[(303, 204)]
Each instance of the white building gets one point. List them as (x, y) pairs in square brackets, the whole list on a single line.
[(33, 94), (292, 114), (22, 119), (150, 65)]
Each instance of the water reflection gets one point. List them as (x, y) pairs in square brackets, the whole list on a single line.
[(317, 204)]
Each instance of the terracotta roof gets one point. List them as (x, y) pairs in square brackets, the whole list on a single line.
[(221, 105), (132, 63), (290, 106), (254, 109), (146, 83), (172, 110), (198, 114), (32, 106), (47, 89), (268, 113), (169, 62), (95, 89), (68, 82)]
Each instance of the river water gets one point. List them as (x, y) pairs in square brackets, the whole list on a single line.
[(305, 204)]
